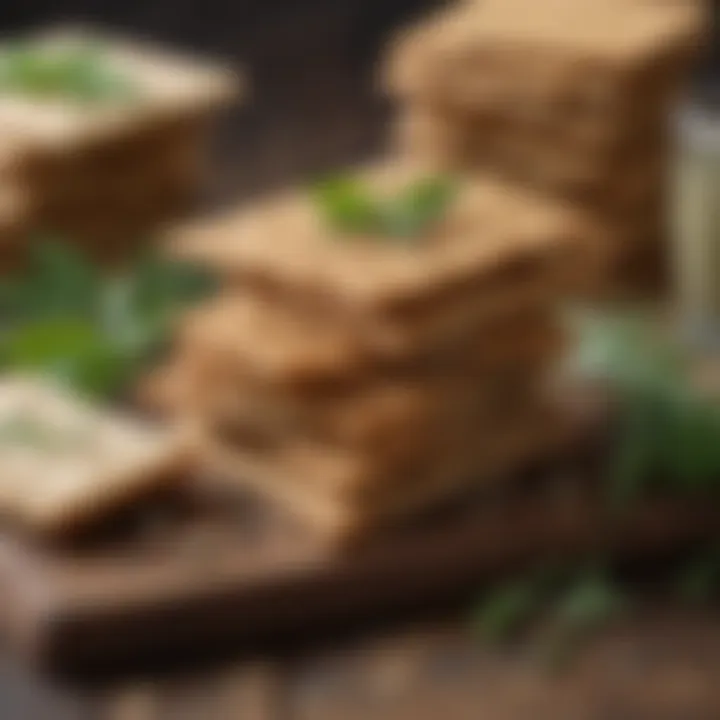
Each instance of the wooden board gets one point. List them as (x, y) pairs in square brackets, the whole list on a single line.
[(206, 567)]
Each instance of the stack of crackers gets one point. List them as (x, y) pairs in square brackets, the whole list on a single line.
[(105, 172), (358, 380), (571, 97)]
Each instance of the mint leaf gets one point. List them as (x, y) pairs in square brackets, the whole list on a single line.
[(350, 208), (71, 351), (669, 434), (418, 208), (347, 206), (506, 610), (585, 607), (590, 602), (59, 282), (634, 458), (80, 73), (94, 333)]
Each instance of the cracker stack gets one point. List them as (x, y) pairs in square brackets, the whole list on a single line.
[(104, 172), (359, 380), (570, 97)]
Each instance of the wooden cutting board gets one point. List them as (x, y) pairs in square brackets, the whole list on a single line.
[(208, 567)]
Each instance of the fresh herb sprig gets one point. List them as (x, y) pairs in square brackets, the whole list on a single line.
[(570, 605), (64, 319), (668, 432), (79, 73), (352, 209), (667, 440)]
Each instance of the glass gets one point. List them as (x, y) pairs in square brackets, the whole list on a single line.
[(696, 221)]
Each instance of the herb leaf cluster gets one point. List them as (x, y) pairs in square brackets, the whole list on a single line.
[(64, 319), (80, 73), (667, 431), (572, 605), (667, 440), (351, 208)]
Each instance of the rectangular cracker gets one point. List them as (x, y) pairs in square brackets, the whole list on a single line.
[(65, 463), (606, 181), (358, 476), (388, 421), (556, 61), (169, 85), (298, 353), (348, 520), (497, 247)]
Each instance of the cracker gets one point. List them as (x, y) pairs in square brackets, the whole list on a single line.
[(65, 463), (300, 352), (171, 84), (355, 475), (571, 58), (609, 181), (496, 246), (295, 350), (388, 421), (344, 520)]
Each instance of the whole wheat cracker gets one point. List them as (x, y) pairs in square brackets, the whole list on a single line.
[(493, 240), (492, 54), (343, 522), (241, 336), (169, 84)]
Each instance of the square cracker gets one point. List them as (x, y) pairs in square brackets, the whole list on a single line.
[(540, 57), (246, 340), (387, 421), (496, 246), (342, 520), (65, 463), (170, 85)]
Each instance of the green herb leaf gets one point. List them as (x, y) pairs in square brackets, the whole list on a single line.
[(511, 606), (350, 208), (589, 603), (507, 610), (80, 73), (586, 606), (59, 283), (669, 434), (418, 208), (94, 333), (71, 351), (633, 462)]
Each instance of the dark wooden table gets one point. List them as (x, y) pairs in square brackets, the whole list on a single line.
[(662, 664)]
